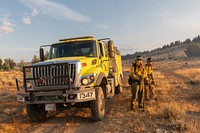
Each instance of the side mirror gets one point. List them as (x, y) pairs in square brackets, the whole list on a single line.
[(41, 54), (111, 49)]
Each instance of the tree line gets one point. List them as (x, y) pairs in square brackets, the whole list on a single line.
[(7, 64)]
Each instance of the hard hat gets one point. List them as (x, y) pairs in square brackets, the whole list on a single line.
[(139, 57), (149, 60)]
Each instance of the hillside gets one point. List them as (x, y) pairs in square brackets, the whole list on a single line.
[(174, 50)]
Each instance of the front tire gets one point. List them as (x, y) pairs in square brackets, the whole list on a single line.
[(36, 112), (98, 105)]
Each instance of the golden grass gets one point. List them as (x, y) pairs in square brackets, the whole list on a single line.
[(7, 78), (7, 128), (171, 113), (13, 128), (191, 73)]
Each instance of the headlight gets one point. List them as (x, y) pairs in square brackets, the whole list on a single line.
[(88, 79), (84, 81), (91, 77)]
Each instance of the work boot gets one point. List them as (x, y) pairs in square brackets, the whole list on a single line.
[(132, 107), (140, 106), (156, 99)]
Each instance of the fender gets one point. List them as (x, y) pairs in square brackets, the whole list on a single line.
[(100, 78)]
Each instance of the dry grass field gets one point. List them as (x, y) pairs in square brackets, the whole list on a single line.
[(177, 108)]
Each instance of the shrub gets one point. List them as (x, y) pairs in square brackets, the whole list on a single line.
[(172, 111)]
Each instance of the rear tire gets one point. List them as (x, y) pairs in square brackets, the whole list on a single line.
[(36, 112), (98, 105)]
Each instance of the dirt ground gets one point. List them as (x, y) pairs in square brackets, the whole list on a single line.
[(177, 108)]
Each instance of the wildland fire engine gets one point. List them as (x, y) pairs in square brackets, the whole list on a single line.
[(80, 72)]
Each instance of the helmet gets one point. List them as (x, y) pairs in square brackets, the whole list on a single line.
[(139, 57), (149, 60)]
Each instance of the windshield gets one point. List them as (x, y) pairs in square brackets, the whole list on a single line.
[(71, 49)]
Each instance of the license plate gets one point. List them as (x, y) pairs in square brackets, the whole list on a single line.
[(49, 107), (86, 95)]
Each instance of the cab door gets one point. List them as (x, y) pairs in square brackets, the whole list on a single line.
[(103, 57)]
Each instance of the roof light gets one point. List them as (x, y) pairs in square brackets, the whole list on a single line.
[(84, 37)]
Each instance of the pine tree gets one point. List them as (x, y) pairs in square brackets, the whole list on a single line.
[(6, 65), (22, 63), (193, 50), (12, 63), (35, 59)]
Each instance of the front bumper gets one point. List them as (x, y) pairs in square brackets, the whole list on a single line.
[(69, 96)]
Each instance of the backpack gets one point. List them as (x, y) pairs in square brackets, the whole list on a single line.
[(130, 80)]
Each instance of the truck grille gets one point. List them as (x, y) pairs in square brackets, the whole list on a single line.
[(50, 75)]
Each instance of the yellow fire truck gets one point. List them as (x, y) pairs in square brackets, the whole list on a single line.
[(80, 72)]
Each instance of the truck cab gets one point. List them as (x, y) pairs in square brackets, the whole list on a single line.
[(80, 72)]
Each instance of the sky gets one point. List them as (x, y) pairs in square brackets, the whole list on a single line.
[(134, 25)]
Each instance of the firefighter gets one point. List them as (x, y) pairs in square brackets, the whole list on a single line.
[(149, 81), (138, 74)]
